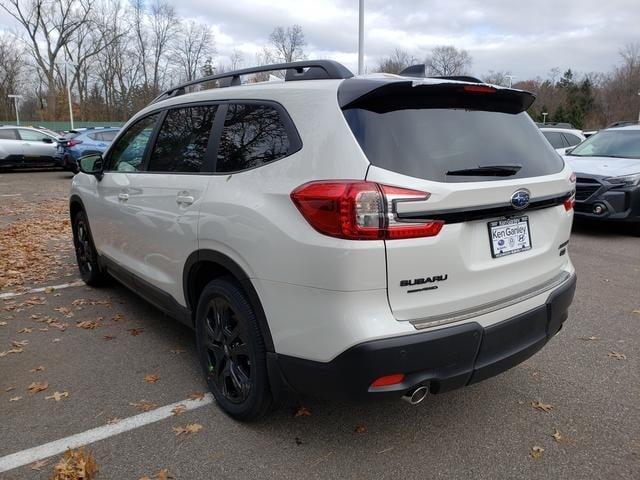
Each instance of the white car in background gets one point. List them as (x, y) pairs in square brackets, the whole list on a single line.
[(562, 139)]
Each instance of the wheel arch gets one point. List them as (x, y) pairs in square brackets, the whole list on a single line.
[(204, 265)]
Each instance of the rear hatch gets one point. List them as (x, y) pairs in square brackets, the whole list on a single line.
[(502, 191)]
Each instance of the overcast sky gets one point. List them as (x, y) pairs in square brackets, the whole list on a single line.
[(526, 38)]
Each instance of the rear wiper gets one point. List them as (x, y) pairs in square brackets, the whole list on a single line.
[(488, 170)]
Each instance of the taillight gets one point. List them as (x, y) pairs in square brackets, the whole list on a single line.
[(479, 89), (73, 143), (360, 210), (570, 202)]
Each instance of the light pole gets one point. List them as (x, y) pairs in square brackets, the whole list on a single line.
[(15, 102), (361, 38), (544, 117), (639, 111), (510, 77), (66, 80)]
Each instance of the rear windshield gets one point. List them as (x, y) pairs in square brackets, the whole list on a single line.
[(436, 143)]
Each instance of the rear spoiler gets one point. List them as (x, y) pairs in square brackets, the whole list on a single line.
[(386, 96)]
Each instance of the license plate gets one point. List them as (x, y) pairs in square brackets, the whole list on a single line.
[(509, 236)]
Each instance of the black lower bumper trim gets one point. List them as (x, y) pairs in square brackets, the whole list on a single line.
[(444, 359)]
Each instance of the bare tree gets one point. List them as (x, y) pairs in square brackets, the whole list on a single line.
[(446, 60), (164, 23), (396, 62), (192, 48), (49, 25), (498, 77), (288, 44), (11, 67)]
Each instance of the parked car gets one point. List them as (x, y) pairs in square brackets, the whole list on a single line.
[(84, 141), (409, 236), (607, 166), (562, 139), (27, 147)]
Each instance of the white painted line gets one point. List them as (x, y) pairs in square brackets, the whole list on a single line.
[(77, 283), (11, 195), (26, 457)]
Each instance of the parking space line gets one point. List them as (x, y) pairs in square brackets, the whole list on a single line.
[(25, 457), (76, 283)]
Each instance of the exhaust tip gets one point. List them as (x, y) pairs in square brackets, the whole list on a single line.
[(416, 395)]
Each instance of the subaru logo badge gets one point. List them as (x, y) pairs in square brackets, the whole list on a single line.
[(520, 199)]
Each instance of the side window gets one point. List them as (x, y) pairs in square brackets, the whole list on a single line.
[(31, 135), (8, 134), (94, 136), (108, 136), (555, 139), (182, 140), (253, 135), (572, 139), (127, 154)]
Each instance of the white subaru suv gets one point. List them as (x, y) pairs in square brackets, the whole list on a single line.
[(339, 236)]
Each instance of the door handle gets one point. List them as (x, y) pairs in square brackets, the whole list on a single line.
[(184, 199), (123, 197)]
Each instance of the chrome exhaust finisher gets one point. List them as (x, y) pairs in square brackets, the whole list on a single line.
[(416, 395)]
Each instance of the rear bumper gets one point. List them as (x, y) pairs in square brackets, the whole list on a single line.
[(443, 359)]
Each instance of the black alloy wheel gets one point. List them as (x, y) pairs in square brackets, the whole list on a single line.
[(231, 350), (86, 256)]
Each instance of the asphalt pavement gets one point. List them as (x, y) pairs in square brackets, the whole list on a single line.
[(111, 355)]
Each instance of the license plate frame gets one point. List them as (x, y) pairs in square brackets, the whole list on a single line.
[(512, 242)]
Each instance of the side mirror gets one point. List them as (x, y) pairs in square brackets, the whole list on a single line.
[(47, 140), (91, 165)]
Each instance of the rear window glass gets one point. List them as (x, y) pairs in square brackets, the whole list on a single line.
[(8, 134), (430, 142), (253, 135), (555, 139), (183, 139)]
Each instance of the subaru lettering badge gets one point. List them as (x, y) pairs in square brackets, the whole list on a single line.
[(520, 199)]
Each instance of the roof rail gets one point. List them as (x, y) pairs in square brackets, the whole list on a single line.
[(420, 70), (303, 70)]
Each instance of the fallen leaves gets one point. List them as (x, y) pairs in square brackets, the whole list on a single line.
[(88, 324), (178, 351), (57, 396), (590, 339), (113, 421), (36, 387), (151, 378), (543, 407), (302, 412), (39, 464), (135, 331), (178, 409), (75, 465), (39, 368), (25, 330), (536, 452), (360, 429), (3, 324), (30, 246), (10, 351), (109, 337), (143, 405), (196, 396), (187, 430), (617, 355), (163, 474), (557, 436), (15, 399)]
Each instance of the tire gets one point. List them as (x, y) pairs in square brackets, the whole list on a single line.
[(231, 350), (86, 255)]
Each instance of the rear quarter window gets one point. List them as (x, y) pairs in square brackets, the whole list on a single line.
[(254, 135), (428, 143)]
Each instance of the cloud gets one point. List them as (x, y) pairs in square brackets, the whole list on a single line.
[(526, 38)]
